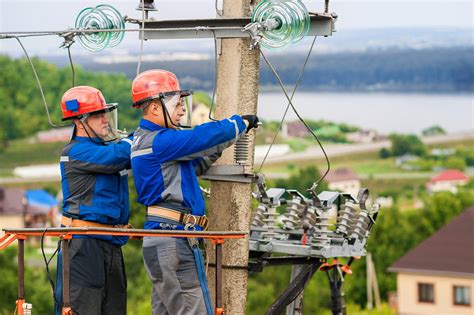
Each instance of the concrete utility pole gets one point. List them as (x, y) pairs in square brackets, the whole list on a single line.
[(230, 203)]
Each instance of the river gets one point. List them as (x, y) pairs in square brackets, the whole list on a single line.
[(385, 112)]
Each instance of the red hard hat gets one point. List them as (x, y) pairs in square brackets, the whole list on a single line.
[(149, 84), (81, 100)]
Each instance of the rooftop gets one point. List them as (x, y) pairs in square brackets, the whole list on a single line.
[(449, 175), (449, 251)]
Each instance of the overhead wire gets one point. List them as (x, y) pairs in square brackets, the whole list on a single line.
[(215, 77), (38, 82), (142, 38), (47, 262), (218, 12), (298, 80), (6, 35), (73, 73), (299, 117)]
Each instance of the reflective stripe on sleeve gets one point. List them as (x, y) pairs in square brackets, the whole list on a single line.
[(141, 152)]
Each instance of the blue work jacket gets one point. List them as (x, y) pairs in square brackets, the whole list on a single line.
[(94, 180), (166, 163)]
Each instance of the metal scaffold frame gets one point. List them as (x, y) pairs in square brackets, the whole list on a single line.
[(66, 234)]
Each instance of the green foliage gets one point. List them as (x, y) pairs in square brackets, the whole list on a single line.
[(433, 131), (37, 289), (21, 152), (138, 286), (297, 145), (384, 153), (263, 287), (201, 97), (455, 162), (8, 284), (389, 193), (23, 111), (406, 144), (468, 155), (424, 164)]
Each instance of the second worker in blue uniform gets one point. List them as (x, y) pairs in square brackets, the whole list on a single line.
[(166, 160)]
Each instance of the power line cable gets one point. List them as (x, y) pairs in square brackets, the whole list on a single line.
[(215, 76), (298, 80), (47, 262), (299, 117), (73, 73), (6, 35), (142, 38), (38, 82)]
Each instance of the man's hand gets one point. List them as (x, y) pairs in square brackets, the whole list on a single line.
[(251, 121)]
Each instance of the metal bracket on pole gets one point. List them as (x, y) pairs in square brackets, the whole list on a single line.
[(228, 173), (322, 24)]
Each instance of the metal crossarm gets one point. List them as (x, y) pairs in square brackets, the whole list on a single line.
[(321, 24)]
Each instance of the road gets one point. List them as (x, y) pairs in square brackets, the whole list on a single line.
[(315, 152), (334, 150)]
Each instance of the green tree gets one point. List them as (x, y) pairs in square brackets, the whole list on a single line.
[(433, 131), (406, 144), (384, 153), (455, 162)]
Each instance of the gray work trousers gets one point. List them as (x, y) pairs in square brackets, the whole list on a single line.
[(171, 267)]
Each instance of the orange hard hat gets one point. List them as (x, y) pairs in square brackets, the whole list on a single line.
[(149, 84), (81, 100)]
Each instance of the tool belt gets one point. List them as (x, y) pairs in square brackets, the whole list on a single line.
[(70, 222), (180, 216)]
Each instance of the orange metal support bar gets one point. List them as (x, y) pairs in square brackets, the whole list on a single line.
[(4, 237), (21, 273), (58, 232), (218, 242), (19, 306), (65, 273), (7, 239), (66, 311)]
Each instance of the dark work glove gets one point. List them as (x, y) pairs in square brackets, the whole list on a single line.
[(252, 120)]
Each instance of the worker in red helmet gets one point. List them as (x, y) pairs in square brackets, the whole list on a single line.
[(166, 160), (94, 180)]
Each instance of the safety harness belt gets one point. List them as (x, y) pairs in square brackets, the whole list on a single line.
[(70, 222), (180, 216)]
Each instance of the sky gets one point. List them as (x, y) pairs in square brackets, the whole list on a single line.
[(22, 15)]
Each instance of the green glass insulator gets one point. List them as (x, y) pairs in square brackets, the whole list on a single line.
[(285, 22), (116, 21), (100, 18)]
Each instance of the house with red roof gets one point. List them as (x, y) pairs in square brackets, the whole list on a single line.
[(437, 276), (447, 180)]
